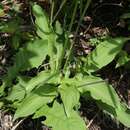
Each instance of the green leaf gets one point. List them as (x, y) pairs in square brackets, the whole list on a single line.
[(103, 92), (57, 119), (98, 89), (123, 59), (58, 28), (18, 92), (41, 21), (16, 40), (42, 78), (70, 97), (2, 13), (122, 113), (36, 99), (11, 26), (1, 104), (32, 55), (54, 37), (105, 95), (104, 53), (59, 44), (45, 32), (35, 53)]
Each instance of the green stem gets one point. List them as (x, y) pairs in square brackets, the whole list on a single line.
[(52, 11), (70, 28), (83, 14), (81, 6), (77, 29), (61, 6)]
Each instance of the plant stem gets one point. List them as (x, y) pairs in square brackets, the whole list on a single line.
[(81, 6), (61, 6), (70, 28), (77, 29), (52, 11)]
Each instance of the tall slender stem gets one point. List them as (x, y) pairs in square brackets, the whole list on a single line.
[(61, 6), (52, 11), (77, 29), (70, 28)]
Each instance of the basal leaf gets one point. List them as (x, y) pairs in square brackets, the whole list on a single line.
[(36, 99), (103, 92), (104, 53), (42, 78), (70, 97), (11, 26), (57, 119), (105, 95), (123, 115), (98, 88), (17, 93), (28, 57)]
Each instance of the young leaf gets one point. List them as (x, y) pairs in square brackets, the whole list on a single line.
[(57, 119), (104, 53), (36, 99), (58, 28), (70, 97)]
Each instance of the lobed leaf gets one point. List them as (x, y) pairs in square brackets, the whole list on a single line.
[(36, 99), (57, 119), (41, 21), (104, 94), (30, 56), (54, 37), (98, 88)]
